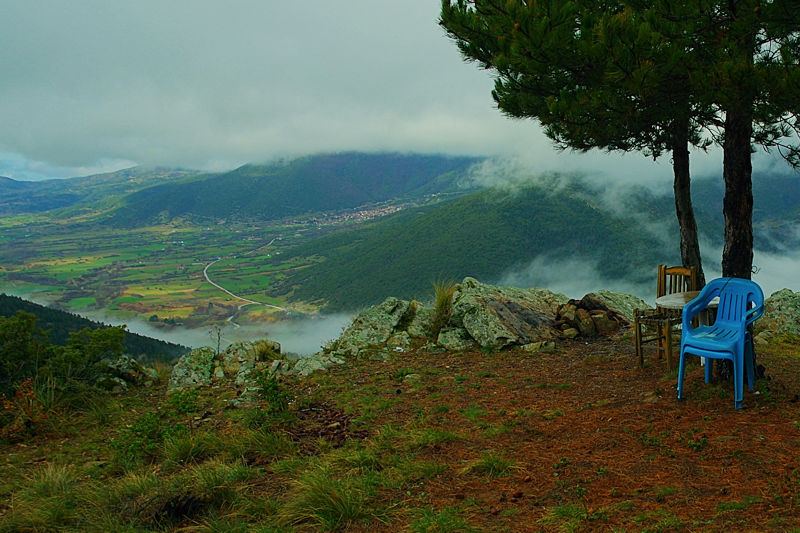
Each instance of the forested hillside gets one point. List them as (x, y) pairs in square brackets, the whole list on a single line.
[(301, 186), (59, 324), (482, 235)]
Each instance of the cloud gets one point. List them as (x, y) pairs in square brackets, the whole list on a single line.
[(207, 85), (573, 277)]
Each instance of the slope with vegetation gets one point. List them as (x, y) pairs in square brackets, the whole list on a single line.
[(483, 235), (301, 186), (581, 439), (59, 325)]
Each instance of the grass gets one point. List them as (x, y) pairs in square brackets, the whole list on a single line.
[(488, 459)]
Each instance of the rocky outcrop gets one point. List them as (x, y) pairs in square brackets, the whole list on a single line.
[(498, 317), (481, 316), (781, 316), (593, 315), (238, 363), (123, 372), (373, 327)]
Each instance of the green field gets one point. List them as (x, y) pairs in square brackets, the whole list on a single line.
[(155, 273)]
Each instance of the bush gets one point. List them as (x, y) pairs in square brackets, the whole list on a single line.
[(144, 439)]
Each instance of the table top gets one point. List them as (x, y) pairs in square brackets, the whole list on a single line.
[(678, 300)]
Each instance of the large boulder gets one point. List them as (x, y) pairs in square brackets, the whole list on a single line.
[(192, 370), (781, 315), (237, 363), (622, 303), (373, 327), (497, 317), (120, 373)]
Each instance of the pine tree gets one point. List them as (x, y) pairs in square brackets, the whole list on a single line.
[(653, 76)]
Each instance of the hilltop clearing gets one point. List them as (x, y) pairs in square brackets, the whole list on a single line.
[(563, 435), (579, 439)]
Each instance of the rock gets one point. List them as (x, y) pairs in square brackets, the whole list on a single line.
[(422, 322), (278, 368), (570, 333), (781, 315), (455, 340), (411, 379), (584, 322), (540, 347), (497, 317), (113, 384), (372, 327), (318, 361), (399, 342), (238, 363), (127, 370), (624, 304), (592, 316), (192, 370), (605, 325)]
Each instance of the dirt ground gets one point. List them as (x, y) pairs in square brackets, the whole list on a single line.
[(595, 442)]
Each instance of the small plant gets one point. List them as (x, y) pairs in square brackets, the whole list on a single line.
[(662, 493), (446, 520), (491, 463), (321, 499), (473, 413), (186, 448), (271, 390), (184, 401), (442, 305), (47, 502), (698, 444), (22, 414), (143, 439)]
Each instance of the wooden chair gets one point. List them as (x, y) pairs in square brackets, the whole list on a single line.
[(656, 325)]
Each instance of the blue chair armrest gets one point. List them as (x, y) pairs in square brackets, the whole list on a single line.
[(698, 305), (754, 314)]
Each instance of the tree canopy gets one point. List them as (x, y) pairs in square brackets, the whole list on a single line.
[(648, 76)]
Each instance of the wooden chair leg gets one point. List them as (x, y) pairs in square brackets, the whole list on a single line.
[(637, 339), (670, 358)]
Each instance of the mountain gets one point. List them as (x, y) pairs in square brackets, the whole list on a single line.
[(59, 324), (84, 194), (493, 233), (485, 234), (305, 185)]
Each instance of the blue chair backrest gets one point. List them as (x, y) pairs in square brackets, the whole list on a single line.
[(741, 301)]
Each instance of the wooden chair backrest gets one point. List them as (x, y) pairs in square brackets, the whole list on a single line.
[(676, 279)]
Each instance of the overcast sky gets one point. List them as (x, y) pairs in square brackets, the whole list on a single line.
[(92, 85)]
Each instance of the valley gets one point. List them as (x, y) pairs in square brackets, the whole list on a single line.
[(174, 252)]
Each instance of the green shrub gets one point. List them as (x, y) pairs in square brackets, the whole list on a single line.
[(143, 440), (271, 390)]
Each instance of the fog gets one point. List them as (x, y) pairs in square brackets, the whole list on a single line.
[(300, 337), (572, 277)]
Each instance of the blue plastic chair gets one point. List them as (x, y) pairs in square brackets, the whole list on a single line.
[(741, 302)]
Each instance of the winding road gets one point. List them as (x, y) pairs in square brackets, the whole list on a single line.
[(236, 296)]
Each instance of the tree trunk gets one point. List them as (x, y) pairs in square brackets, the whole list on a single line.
[(690, 248), (737, 255)]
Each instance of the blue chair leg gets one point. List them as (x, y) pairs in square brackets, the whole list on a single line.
[(681, 368), (749, 363), (709, 369), (738, 381)]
